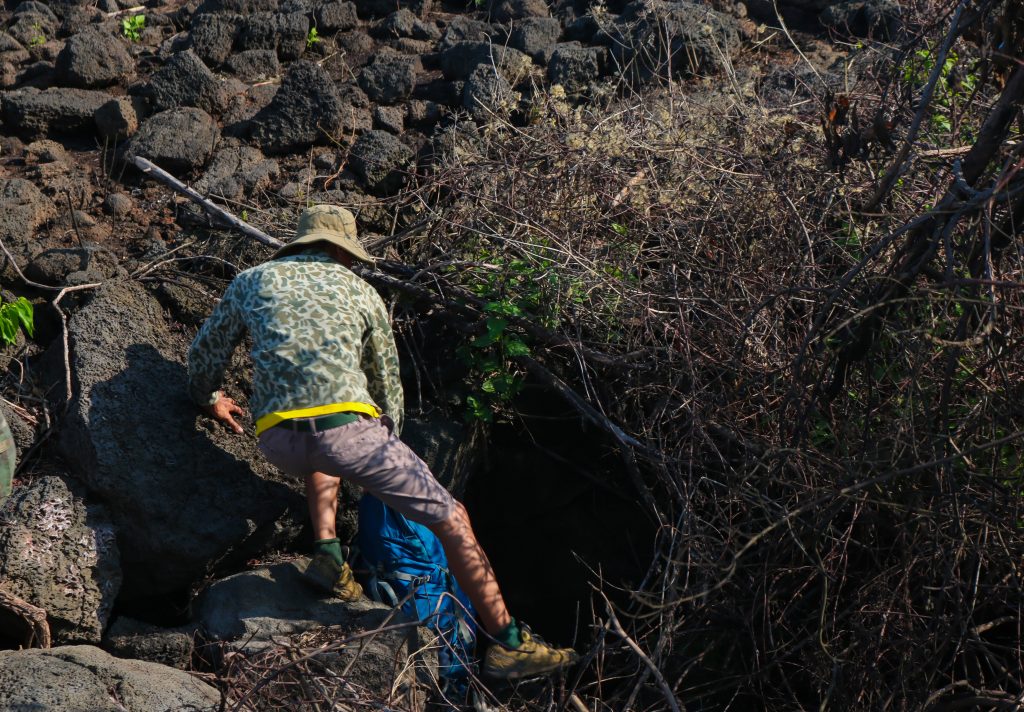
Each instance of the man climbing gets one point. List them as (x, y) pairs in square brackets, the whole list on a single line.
[(327, 401)]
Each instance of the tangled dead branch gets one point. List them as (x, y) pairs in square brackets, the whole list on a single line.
[(806, 349)]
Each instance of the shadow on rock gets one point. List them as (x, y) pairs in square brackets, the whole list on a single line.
[(185, 498)]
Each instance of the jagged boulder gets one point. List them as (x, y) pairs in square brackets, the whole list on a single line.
[(38, 113), (285, 33), (23, 210), (119, 118), (11, 50), (254, 65), (94, 58), (35, 8), (305, 108), (82, 677), (185, 81), (389, 118), (675, 40), (59, 553), (336, 16), (183, 496), (56, 265), (487, 94), (380, 160), (247, 610), (536, 37), (575, 68), (212, 35), (388, 78), (404, 24), (459, 60), (236, 172), (464, 29), (177, 140)]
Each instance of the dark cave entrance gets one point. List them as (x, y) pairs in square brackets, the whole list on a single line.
[(556, 514)]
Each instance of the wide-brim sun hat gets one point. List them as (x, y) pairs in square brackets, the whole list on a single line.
[(326, 223)]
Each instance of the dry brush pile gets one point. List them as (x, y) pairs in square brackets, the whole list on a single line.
[(800, 327)]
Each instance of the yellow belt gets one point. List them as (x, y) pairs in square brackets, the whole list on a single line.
[(271, 419)]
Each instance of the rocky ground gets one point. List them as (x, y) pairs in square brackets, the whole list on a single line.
[(126, 496)]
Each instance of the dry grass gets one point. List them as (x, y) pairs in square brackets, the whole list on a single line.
[(812, 371)]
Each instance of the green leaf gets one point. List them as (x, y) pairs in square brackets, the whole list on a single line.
[(495, 326), (619, 228), (23, 308), (503, 384), (8, 328), (516, 347), (506, 308), (478, 410)]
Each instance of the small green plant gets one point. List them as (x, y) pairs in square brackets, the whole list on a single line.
[(38, 38), (955, 85), (312, 38), (488, 356), (131, 27), (15, 314)]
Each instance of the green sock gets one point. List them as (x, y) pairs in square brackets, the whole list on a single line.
[(329, 546), (509, 635)]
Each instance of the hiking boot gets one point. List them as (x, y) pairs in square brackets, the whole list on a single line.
[(532, 658), (325, 574)]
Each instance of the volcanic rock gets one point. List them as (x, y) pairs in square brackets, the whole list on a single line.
[(675, 39), (305, 108), (285, 33), (255, 65), (37, 113), (459, 60), (59, 553), (185, 81), (94, 58), (536, 36), (181, 495), (236, 172), (388, 79), (487, 94), (575, 68), (177, 140), (82, 677), (119, 118), (380, 160), (336, 16), (213, 36)]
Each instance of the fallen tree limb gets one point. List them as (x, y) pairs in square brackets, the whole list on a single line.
[(212, 209), (34, 617)]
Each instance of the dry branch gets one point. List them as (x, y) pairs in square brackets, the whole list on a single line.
[(35, 618), (215, 211)]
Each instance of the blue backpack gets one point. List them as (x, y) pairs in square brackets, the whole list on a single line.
[(408, 567)]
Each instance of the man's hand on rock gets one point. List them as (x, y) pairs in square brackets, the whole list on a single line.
[(224, 410)]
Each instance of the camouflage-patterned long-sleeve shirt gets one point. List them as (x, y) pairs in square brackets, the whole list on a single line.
[(320, 336)]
